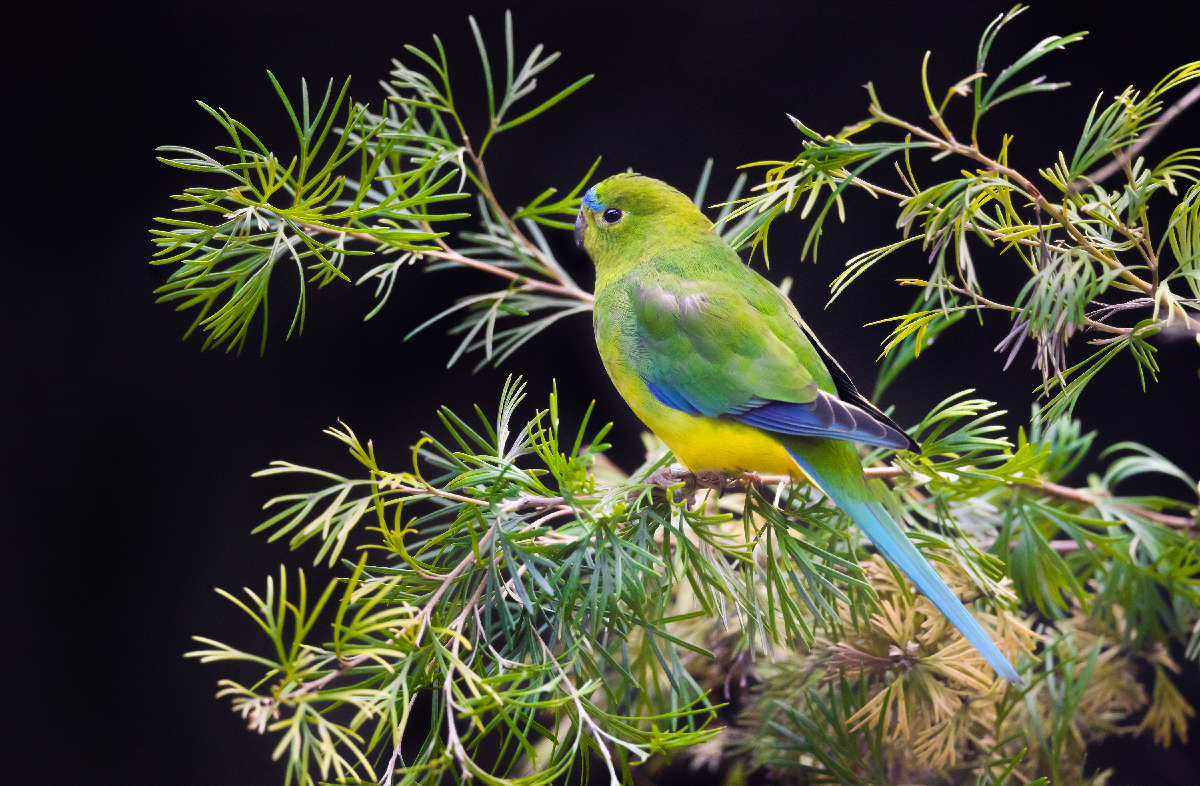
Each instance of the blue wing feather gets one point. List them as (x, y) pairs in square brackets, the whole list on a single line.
[(672, 398), (824, 416)]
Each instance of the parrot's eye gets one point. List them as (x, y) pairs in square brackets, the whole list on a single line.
[(612, 215)]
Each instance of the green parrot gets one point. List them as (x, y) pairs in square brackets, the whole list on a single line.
[(719, 364)]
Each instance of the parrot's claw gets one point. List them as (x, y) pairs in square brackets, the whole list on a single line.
[(711, 480), (748, 480), (666, 477), (677, 474), (669, 476)]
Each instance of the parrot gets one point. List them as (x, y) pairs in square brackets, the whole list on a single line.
[(718, 363)]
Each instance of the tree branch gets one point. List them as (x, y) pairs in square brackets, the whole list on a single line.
[(450, 255), (1081, 496)]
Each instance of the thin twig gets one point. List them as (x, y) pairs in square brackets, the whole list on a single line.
[(1090, 498), (395, 485), (1060, 546), (470, 605), (991, 304), (1081, 496), (525, 281), (387, 781), (466, 562), (450, 255), (524, 500), (967, 225), (489, 195)]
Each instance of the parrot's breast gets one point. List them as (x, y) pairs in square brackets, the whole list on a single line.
[(700, 443)]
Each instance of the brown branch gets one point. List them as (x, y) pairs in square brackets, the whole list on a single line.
[(1127, 155), (525, 281), (872, 188), (1059, 216), (490, 196), (396, 485), (524, 500), (320, 682), (1081, 496), (451, 255), (466, 562), (1063, 546), (1060, 546), (475, 596), (984, 302), (1090, 498)]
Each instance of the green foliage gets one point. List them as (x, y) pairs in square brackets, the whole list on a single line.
[(366, 183), (1078, 241), (510, 626), (269, 212), (511, 608), (556, 610)]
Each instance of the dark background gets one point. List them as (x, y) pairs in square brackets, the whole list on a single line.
[(129, 495)]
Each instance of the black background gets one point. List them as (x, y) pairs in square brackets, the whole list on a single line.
[(128, 492)]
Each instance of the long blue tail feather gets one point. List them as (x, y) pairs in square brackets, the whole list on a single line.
[(891, 541)]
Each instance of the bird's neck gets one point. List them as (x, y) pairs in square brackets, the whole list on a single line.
[(613, 264)]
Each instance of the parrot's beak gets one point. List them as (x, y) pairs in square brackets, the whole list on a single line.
[(580, 226)]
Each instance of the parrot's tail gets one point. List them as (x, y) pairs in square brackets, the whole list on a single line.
[(846, 486)]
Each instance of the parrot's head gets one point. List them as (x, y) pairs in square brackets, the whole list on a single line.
[(625, 218)]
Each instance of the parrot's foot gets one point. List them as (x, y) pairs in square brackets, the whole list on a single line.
[(748, 480), (719, 482), (677, 474), (669, 476), (666, 477), (712, 480)]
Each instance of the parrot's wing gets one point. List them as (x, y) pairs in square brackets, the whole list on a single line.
[(846, 389), (707, 348)]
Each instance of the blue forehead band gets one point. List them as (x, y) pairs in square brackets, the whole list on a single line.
[(590, 201)]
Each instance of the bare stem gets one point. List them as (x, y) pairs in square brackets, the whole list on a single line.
[(1082, 496), (449, 254), (531, 249), (466, 562), (984, 302)]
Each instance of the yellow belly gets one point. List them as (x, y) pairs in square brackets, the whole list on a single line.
[(704, 444)]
